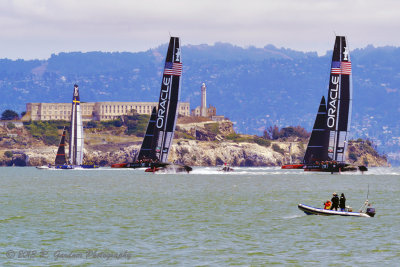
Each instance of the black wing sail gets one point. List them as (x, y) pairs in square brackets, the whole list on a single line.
[(168, 102), (60, 157), (317, 149), (146, 151), (339, 100)]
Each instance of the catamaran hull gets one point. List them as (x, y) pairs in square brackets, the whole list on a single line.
[(135, 165), (293, 166), (170, 168), (334, 168), (64, 167), (89, 166), (70, 167), (317, 211)]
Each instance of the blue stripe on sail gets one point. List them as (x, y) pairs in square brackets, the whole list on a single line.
[(145, 149)]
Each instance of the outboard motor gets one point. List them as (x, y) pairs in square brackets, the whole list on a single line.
[(371, 212), (362, 168)]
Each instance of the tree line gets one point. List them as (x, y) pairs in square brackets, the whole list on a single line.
[(9, 115)]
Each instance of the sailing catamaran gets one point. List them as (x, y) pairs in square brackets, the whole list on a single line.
[(76, 139), (328, 142), (75, 143), (160, 130)]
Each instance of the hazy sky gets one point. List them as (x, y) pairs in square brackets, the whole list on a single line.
[(38, 28)]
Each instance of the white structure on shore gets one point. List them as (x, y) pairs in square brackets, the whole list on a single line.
[(203, 111), (203, 106), (98, 111)]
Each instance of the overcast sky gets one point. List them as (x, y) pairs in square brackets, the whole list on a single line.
[(37, 28)]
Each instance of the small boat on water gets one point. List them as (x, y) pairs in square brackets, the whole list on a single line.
[(226, 168), (365, 211), (44, 167)]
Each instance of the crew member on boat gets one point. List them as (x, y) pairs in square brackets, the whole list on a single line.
[(335, 201), (342, 202)]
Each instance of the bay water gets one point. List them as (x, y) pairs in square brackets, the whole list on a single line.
[(123, 217)]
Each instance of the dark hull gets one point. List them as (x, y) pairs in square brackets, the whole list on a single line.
[(317, 211), (341, 167), (170, 168)]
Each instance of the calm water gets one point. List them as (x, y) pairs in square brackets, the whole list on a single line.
[(249, 217)]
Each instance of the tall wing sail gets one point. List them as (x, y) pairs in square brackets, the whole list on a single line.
[(60, 157), (76, 134), (168, 103), (146, 150), (339, 100), (317, 149)]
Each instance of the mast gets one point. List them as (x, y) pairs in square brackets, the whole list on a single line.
[(317, 148), (76, 130), (168, 101), (146, 149), (339, 100), (60, 157)]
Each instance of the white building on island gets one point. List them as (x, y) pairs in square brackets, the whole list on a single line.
[(99, 111)]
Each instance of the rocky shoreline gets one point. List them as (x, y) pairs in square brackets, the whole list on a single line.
[(189, 152), (195, 144)]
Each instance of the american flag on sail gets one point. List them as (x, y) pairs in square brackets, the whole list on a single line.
[(335, 67), (173, 68), (343, 67), (346, 67)]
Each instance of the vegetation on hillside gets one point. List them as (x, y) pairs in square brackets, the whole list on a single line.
[(274, 133), (361, 150), (248, 139), (9, 115), (47, 131)]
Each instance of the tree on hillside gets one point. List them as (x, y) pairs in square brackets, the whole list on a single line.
[(9, 115), (274, 133)]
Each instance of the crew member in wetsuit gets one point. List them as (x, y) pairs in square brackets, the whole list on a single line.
[(335, 202), (342, 202)]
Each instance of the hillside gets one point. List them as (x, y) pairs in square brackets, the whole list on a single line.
[(196, 143), (254, 87)]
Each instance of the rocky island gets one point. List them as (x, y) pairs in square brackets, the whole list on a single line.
[(197, 142)]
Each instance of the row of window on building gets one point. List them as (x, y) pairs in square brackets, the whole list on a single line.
[(94, 111)]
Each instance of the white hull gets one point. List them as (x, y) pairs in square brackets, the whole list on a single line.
[(317, 211)]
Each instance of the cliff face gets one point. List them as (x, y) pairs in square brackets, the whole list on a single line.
[(212, 147), (216, 153)]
